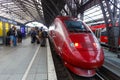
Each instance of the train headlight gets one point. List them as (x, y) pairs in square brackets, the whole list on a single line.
[(77, 45)]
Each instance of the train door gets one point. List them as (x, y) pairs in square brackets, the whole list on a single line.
[(103, 37)]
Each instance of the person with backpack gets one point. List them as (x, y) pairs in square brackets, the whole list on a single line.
[(19, 36), (11, 33), (33, 35), (43, 38), (8, 38)]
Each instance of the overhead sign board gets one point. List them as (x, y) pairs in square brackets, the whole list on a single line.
[(7, 20)]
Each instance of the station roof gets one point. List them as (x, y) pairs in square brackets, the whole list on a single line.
[(24, 11), (21, 10)]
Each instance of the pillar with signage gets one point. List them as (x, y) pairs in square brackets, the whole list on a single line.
[(1, 32), (1, 29), (5, 25), (23, 31)]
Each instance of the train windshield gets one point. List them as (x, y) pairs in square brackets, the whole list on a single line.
[(76, 26)]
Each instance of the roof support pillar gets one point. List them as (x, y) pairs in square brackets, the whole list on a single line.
[(109, 10)]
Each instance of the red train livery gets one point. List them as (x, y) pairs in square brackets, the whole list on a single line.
[(76, 45), (101, 33)]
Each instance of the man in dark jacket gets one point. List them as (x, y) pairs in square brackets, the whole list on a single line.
[(43, 39), (12, 34), (33, 35), (19, 36)]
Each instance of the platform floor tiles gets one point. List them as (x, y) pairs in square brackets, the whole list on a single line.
[(14, 61)]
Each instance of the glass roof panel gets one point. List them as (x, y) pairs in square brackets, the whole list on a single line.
[(93, 15), (21, 9)]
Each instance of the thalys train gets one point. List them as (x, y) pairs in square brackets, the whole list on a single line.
[(77, 46)]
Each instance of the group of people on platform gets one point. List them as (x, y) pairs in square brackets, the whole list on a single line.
[(38, 35), (14, 36)]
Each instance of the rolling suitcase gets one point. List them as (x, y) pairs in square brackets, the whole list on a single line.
[(7, 41), (43, 42)]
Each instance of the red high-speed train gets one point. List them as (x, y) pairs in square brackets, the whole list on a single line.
[(76, 45)]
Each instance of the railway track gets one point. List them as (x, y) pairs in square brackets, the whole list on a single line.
[(64, 74)]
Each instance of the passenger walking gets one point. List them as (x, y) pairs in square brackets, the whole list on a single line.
[(40, 34), (8, 38), (14, 36), (33, 35), (43, 38), (37, 35), (19, 36), (11, 33)]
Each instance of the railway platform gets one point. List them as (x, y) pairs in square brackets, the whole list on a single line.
[(26, 61), (29, 61), (112, 62)]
